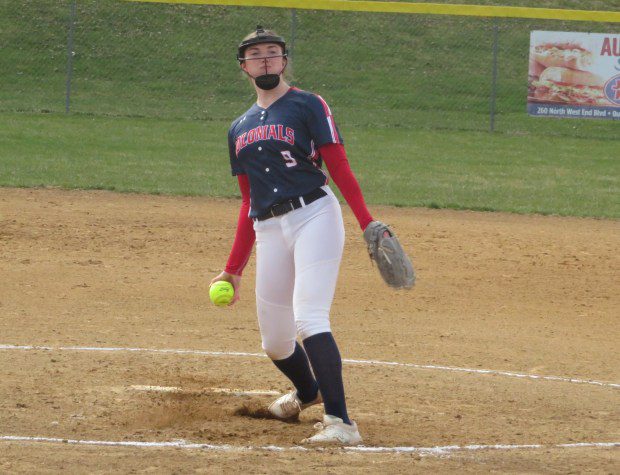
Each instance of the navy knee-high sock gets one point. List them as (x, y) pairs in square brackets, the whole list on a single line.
[(297, 369), (327, 365)]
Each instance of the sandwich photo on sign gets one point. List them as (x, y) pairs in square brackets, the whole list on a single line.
[(573, 69), (564, 76)]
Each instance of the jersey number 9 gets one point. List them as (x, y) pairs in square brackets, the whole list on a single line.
[(288, 159)]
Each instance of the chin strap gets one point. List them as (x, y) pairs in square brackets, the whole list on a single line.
[(268, 81)]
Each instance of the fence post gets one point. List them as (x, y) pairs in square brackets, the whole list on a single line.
[(494, 81), (70, 55)]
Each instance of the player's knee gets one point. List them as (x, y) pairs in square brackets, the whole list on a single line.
[(307, 327), (278, 349)]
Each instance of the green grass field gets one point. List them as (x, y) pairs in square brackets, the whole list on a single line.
[(155, 87), (434, 168)]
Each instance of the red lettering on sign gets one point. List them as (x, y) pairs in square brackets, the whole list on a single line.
[(616, 89), (611, 47)]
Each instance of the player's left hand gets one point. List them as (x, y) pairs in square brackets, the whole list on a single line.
[(235, 281)]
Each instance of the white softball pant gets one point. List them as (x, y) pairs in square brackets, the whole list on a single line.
[(297, 261)]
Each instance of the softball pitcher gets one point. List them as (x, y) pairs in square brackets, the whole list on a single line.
[(277, 149)]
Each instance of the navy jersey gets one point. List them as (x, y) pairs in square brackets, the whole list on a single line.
[(277, 148)]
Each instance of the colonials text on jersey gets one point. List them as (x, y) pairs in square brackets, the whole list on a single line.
[(265, 132)]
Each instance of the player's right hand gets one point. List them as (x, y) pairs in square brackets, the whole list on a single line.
[(235, 280)]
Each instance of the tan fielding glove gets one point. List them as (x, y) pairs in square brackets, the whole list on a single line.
[(394, 265)]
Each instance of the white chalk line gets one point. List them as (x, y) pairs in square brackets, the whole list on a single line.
[(349, 361), (179, 390), (182, 444)]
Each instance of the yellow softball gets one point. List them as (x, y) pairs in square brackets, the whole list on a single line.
[(221, 293)]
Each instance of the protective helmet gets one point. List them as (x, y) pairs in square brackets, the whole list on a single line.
[(261, 37)]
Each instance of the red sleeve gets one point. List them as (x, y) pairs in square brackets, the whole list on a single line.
[(337, 164), (245, 236)]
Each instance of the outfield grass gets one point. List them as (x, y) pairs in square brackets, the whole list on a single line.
[(177, 61), (155, 87), (443, 169)]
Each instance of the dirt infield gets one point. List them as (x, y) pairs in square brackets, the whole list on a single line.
[(519, 295)]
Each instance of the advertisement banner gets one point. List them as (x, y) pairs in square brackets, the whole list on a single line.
[(575, 75)]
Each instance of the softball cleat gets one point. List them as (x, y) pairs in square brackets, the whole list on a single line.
[(289, 406), (333, 431)]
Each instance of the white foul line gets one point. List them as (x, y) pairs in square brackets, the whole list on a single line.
[(351, 361), (233, 391), (181, 444)]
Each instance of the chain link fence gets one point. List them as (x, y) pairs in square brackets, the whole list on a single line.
[(380, 70)]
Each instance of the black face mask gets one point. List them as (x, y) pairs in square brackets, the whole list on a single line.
[(267, 82)]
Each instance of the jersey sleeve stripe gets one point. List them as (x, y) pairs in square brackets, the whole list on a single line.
[(330, 120)]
